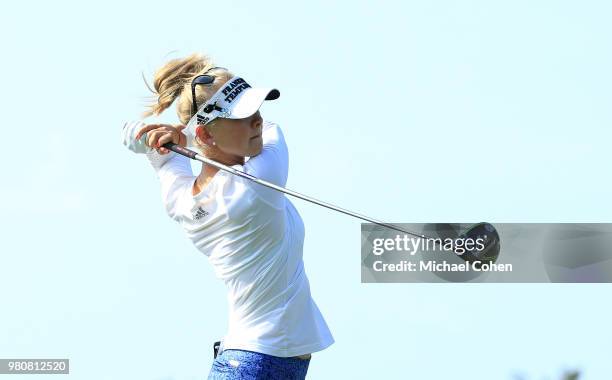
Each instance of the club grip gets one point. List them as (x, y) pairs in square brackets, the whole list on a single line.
[(180, 150)]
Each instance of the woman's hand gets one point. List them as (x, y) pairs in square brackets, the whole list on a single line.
[(159, 134)]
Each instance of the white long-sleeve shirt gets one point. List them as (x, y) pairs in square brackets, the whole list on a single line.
[(253, 236)]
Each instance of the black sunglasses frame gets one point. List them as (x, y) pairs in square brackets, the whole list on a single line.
[(203, 79)]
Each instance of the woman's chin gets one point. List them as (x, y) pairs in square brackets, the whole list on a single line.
[(255, 153), (257, 148)]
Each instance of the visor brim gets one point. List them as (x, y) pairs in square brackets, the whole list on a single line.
[(251, 100)]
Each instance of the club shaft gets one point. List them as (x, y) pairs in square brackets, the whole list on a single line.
[(193, 155)]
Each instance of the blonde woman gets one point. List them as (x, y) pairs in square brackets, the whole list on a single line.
[(252, 235)]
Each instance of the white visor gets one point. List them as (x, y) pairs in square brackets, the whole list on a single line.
[(235, 100)]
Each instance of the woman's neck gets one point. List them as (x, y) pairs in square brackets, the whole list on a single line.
[(224, 158), (208, 171)]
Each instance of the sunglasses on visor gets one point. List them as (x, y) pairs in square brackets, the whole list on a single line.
[(204, 79)]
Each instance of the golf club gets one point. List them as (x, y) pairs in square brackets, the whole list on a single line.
[(482, 230)]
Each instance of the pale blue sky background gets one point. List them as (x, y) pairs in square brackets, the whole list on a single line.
[(430, 111)]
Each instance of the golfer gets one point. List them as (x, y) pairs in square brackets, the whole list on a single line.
[(252, 235)]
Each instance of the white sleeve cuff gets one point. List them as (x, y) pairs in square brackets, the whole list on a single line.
[(130, 129)]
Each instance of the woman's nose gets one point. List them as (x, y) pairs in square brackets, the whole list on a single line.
[(257, 120)]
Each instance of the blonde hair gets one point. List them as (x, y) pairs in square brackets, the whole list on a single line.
[(173, 80)]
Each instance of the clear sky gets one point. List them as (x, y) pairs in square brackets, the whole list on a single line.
[(429, 111)]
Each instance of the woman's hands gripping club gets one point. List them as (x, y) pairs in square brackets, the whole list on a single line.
[(160, 134)]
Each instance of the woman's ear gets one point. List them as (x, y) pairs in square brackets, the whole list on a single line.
[(204, 135)]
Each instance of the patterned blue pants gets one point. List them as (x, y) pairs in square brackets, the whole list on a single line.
[(234, 364)]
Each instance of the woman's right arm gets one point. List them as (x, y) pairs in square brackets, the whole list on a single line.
[(172, 169)]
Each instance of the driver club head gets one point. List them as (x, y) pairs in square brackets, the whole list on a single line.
[(490, 243)]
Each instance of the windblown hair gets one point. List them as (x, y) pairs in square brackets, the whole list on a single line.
[(173, 80)]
